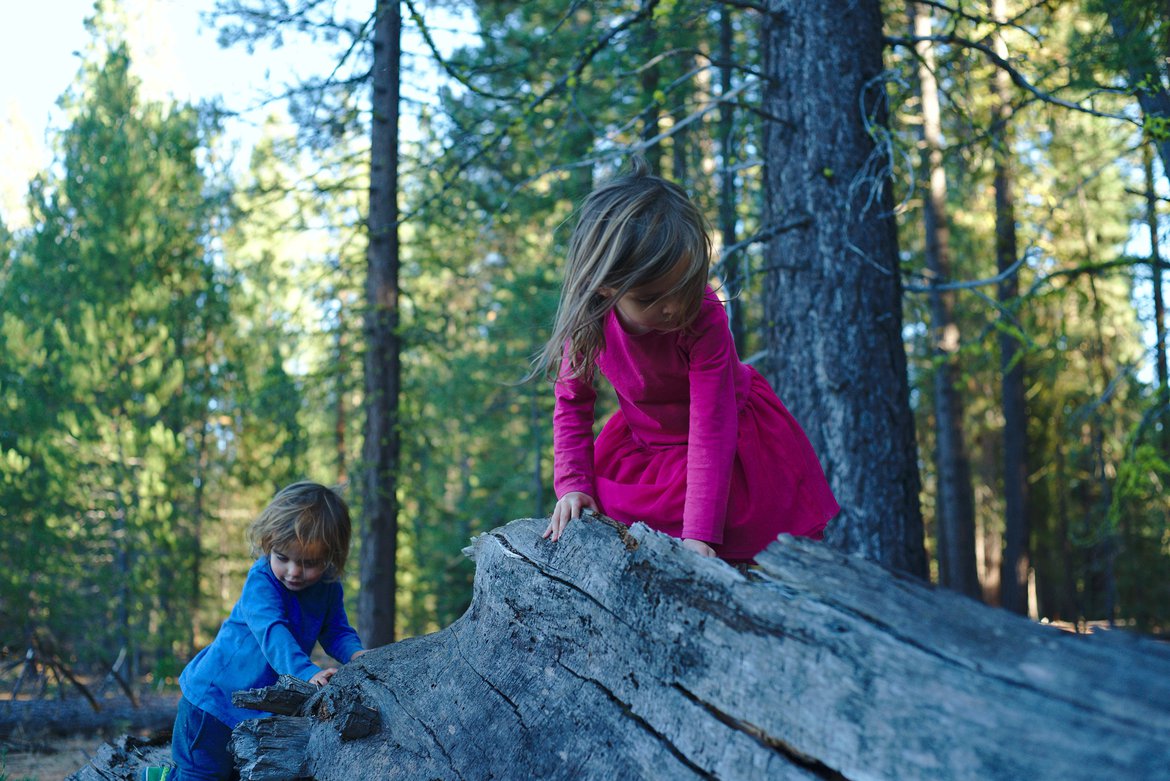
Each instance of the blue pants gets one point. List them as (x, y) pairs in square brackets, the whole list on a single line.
[(199, 746)]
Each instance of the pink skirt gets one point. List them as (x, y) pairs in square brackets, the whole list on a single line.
[(777, 483)]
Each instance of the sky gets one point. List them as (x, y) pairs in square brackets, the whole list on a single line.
[(173, 52)]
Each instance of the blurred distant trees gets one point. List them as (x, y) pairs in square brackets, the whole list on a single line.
[(179, 337)]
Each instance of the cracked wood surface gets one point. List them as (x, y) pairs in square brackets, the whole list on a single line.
[(615, 654)]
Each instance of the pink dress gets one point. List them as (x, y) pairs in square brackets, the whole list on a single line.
[(700, 447)]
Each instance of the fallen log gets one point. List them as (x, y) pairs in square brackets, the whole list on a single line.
[(76, 716), (615, 653)]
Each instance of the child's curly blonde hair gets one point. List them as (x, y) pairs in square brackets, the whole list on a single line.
[(307, 514)]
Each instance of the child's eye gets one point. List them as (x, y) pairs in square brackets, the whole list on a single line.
[(281, 557), (311, 563)]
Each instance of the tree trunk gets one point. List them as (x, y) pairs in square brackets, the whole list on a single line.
[(652, 116), (955, 502), (732, 265), (341, 373), (833, 293), (379, 500), (1016, 558), (1163, 396)]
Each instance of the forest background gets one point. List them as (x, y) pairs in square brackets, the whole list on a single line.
[(182, 333)]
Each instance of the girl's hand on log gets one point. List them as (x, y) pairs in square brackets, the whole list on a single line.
[(322, 677), (356, 654), (699, 547), (568, 507)]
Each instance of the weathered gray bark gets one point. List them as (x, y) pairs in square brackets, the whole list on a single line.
[(616, 654), (833, 293)]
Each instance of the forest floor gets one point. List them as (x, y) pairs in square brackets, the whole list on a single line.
[(50, 739), (47, 759)]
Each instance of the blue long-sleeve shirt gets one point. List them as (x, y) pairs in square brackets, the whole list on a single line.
[(270, 631)]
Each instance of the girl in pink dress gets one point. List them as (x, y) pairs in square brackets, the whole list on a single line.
[(700, 448)]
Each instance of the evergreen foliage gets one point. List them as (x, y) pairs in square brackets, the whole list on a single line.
[(175, 343)]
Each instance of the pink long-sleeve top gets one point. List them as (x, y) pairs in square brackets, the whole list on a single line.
[(676, 389)]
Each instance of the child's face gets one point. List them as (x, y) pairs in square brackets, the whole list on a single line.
[(648, 308), (296, 567)]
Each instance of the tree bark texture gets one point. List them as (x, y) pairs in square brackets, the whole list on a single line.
[(1016, 534), (833, 294), (381, 447), (955, 496), (1159, 300), (731, 266), (616, 654)]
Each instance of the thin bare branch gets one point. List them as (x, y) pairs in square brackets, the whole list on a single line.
[(1017, 78)]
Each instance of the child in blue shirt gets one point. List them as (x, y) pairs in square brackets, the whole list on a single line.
[(292, 598)]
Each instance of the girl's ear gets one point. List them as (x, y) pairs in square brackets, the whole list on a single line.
[(606, 292)]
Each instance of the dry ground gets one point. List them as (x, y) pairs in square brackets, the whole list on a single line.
[(50, 759)]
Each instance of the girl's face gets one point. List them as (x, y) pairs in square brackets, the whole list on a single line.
[(647, 307), (296, 567)]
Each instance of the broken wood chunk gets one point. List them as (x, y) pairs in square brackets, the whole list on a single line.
[(357, 720), (285, 697), (274, 748)]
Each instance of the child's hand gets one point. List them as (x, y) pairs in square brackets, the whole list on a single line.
[(322, 678), (568, 507), (699, 547), (356, 654)]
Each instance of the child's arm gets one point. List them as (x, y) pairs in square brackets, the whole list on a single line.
[(263, 611), (568, 507), (572, 450), (322, 678), (714, 423), (337, 637), (699, 547)]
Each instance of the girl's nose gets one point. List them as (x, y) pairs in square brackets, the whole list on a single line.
[(294, 568)]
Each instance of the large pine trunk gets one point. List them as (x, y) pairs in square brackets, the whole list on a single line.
[(379, 499), (833, 291), (617, 654)]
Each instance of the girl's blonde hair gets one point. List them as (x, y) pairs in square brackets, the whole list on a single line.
[(307, 514), (631, 230)]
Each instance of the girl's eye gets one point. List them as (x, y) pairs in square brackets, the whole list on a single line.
[(311, 563), (281, 557)]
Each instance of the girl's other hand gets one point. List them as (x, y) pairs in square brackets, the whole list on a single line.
[(568, 507), (356, 654), (322, 678), (699, 547)]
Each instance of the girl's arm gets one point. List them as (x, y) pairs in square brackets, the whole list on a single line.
[(713, 425), (568, 507), (573, 444)]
